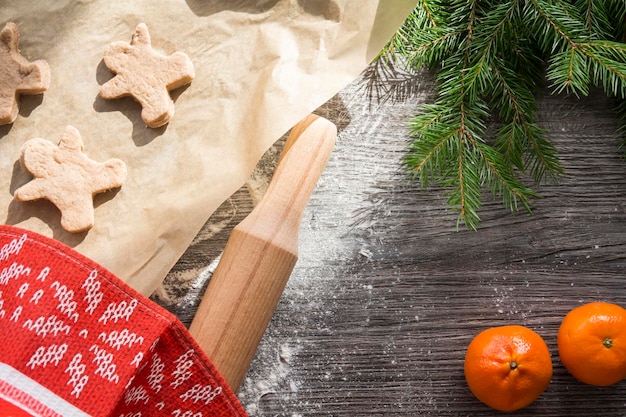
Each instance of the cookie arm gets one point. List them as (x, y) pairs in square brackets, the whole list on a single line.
[(180, 64), (71, 140), (10, 37), (109, 175), (33, 190), (141, 35), (116, 87), (37, 79)]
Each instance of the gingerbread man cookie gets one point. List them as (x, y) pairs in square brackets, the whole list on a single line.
[(146, 75), (68, 178), (17, 75)]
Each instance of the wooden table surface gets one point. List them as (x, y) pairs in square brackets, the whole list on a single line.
[(387, 293)]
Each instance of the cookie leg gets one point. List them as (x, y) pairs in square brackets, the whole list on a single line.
[(157, 108), (77, 216), (8, 109)]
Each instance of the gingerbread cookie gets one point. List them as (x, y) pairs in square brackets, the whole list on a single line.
[(17, 75), (146, 75), (68, 178)]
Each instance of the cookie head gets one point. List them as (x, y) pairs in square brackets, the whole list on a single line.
[(37, 157)]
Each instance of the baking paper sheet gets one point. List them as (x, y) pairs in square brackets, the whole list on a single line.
[(261, 66)]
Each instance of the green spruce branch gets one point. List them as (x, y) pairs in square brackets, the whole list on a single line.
[(490, 60)]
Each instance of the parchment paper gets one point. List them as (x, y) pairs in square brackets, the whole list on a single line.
[(260, 67)]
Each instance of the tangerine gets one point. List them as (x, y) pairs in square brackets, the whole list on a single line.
[(507, 367), (592, 343)]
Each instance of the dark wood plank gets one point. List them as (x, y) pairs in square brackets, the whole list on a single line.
[(387, 293)]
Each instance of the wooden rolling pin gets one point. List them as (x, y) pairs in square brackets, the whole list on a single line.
[(260, 255)]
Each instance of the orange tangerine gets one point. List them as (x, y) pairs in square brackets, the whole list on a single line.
[(592, 343), (507, 367)]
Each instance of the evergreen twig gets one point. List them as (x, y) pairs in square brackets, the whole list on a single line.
[(490, 59)]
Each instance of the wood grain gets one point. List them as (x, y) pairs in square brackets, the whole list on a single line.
[(260, 255), (387, 294)]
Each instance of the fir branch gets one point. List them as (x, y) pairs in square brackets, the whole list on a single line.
[(426, 15), (568, 72), (490, 58), (616, 11), (596, 16), (607, 62), (521, 142)]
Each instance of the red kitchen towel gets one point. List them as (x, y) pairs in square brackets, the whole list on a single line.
[(78, 341)]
